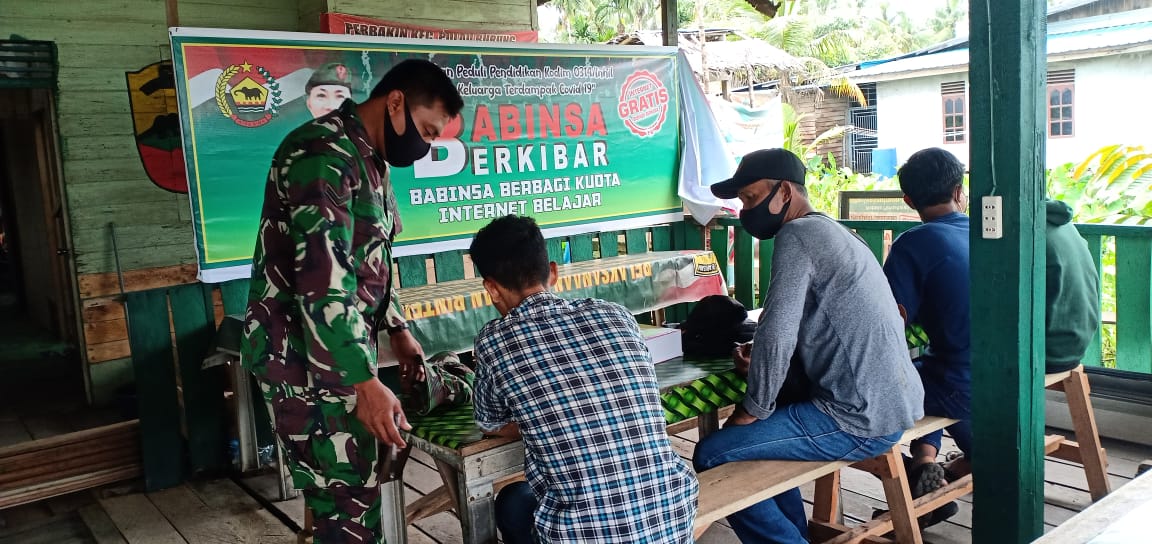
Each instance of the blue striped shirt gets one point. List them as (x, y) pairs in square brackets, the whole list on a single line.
[(578, 379)]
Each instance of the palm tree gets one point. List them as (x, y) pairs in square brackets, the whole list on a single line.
[(946, 18)]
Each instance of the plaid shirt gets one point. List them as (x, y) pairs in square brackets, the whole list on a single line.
[(578, 379)]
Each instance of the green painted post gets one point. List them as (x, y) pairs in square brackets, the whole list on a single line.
[(194, 325), (448, 265), (234, 295), (692, 235), (609, 244), (662, 238), (413, 270), (766, 248), (581, 245), (636, 240), (744, 266), (555, 250), (1095, 354), (1133, 303), (162, 446), (720, 246), (1007, 73), (875, 240), (685, 235)]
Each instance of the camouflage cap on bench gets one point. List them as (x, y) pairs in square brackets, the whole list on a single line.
[(446, 382)]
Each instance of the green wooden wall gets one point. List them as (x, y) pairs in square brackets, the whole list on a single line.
[(100, 40)]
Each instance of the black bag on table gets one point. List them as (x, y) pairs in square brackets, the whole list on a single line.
[(714, 327), (717, 323)]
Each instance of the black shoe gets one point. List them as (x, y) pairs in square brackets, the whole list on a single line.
[(938, 515), (927, 520)]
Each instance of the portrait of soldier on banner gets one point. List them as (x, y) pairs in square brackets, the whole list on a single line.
[(327, 88)]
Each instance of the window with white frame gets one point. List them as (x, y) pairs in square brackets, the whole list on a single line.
[(954, 108), (1060, 98)]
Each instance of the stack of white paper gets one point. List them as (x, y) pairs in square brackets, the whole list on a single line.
[(664, 343)]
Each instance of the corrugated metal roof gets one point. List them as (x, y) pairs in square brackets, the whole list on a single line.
[(1107, 33)]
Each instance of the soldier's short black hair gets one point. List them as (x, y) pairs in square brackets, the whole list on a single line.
[(423, 83), (930, 177), (511, 252)]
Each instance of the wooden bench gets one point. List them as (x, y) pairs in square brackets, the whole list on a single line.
[(1086, 449), (732, 487)]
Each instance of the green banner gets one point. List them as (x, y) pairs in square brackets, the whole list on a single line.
[(446, 316), (583, 139)]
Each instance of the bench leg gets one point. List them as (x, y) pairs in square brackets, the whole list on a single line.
[(305, 535), (899, 498), (708, 423), (1092, 454), (826, 503)]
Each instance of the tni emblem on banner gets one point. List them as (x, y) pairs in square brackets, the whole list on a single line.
[(248, 95)]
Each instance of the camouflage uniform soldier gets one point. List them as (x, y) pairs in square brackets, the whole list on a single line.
[(322, 291)]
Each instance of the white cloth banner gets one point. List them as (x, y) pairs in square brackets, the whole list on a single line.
[(704, 157)]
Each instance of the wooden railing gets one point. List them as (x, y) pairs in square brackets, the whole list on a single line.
[(1130, 325)]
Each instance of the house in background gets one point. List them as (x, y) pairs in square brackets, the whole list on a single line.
[(1098, 68)]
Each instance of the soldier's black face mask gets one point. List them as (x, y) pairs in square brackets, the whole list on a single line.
[(403, 150)]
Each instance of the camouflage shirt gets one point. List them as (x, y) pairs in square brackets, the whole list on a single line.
[(322, 270)]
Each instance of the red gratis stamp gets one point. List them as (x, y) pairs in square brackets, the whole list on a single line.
[(643, 103)]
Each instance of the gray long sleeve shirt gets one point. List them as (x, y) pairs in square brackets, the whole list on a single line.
[(830, 304)]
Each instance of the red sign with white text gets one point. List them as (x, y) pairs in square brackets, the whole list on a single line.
[(339, 23)]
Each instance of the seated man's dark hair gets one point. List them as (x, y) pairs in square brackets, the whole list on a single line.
[(423, 83), (511, 252), (930, 177)]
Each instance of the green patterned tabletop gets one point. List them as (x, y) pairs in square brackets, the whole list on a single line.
[(688, 388)]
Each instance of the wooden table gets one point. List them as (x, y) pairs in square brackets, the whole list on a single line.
[(1125, 515), (471, 465)]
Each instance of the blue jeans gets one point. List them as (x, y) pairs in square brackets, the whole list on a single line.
[(515, 508), (947, 399), (797, 432)]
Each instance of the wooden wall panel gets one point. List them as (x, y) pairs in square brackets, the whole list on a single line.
[(822, 114), (97, 42)]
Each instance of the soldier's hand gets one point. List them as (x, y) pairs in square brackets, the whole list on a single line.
[(380, 412), (408, 353)]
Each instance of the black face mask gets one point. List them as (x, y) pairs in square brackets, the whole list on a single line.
[(403, 150), (760, 222)]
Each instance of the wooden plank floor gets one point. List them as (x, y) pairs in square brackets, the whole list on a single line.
[(220, 512)]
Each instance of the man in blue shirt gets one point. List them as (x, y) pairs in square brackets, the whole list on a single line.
[(927, 269), (576, 381)]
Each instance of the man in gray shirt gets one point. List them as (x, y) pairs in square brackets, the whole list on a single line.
[(828, 307)]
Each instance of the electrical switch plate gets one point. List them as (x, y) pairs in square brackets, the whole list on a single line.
[(992, 215)]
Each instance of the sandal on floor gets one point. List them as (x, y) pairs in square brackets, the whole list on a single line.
[(925, 479), (952, 456)]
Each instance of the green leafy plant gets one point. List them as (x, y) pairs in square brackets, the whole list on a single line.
[(1112, 186)]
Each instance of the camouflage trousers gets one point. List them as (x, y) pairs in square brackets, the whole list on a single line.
[(333, 459)]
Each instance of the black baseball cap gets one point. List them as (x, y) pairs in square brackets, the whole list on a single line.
[(774, 163)]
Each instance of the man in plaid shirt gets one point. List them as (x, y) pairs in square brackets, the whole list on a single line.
[(576, 381)]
